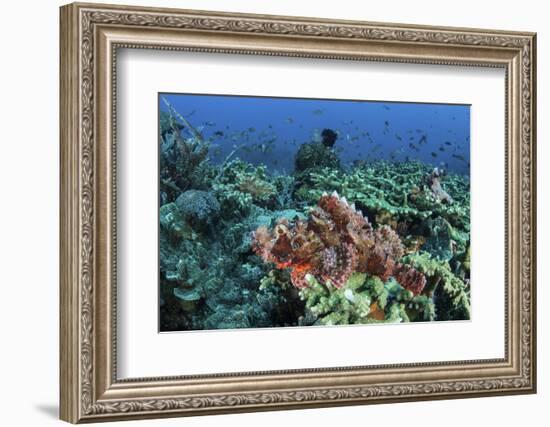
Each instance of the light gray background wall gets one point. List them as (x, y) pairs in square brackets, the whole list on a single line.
[(29, 171)]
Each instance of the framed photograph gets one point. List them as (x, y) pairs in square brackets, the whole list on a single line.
[(267, 212)]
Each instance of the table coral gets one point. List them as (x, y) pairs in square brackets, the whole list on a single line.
[(401, 191)]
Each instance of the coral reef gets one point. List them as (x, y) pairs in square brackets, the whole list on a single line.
[(243, 245)]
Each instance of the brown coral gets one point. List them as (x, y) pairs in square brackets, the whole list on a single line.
[(333, 243), (258, 189)]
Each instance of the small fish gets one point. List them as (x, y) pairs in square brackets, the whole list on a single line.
[(398, 137), (448, 143), (441, 148), (412, 146), (218, 133), (275, 162), (316, 136), (289, 120), (210, 124), (386, 107), (251, 129), (423, 139), (459, 157), (317, 112), (434, 154), (386, 123)]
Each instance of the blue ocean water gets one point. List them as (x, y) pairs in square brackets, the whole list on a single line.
[(270, 130)]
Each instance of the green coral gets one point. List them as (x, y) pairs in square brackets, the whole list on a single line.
[(443, 240), (466, 260), (334, 306), (451, 295), (240, 185), (398, 189), (364, 299)]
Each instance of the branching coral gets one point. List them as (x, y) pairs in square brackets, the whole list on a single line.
[(242, 184), (450, 293), (363, 299), (397, 191), (333, 243)]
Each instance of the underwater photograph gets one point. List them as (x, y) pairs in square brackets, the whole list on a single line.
[(277, 212)]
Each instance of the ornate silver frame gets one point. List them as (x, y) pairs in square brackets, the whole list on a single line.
[(90, 36)]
